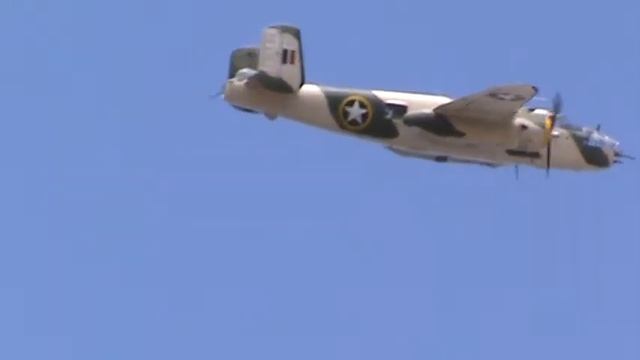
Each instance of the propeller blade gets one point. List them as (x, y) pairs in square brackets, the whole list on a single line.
[(550, 124), (548, 157), (557, 103)]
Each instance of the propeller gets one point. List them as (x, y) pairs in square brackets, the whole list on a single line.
[(550, 124)]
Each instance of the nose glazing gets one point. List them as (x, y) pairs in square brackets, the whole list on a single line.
[(612, 143), (598, 139)]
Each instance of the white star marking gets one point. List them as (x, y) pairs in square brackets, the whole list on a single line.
[(356, 112)]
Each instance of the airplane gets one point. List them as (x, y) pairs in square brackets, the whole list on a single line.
[(490, 128)]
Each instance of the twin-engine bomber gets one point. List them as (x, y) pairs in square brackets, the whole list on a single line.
[(490, 128)]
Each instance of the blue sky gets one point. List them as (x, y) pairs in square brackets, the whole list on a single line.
[(143, 220)]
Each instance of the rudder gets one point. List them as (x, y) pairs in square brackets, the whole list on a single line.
[(280, 60)]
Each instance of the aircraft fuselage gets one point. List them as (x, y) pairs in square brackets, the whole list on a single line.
[(389, 120)]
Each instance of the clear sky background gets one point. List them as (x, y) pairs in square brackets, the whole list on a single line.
[(141, 220)]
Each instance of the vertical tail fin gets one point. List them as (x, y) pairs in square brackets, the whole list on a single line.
[(243, 58), (280, 61)]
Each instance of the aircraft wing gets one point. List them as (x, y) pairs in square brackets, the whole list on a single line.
[(494, 106)]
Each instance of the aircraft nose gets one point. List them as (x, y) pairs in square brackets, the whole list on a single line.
[(610, 143), (617, 154), (612, 148), (615, 144), (609, 146)]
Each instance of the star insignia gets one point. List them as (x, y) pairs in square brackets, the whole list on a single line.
[(356, 112)]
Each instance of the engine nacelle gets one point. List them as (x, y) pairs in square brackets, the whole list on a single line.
[(530, 136)]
